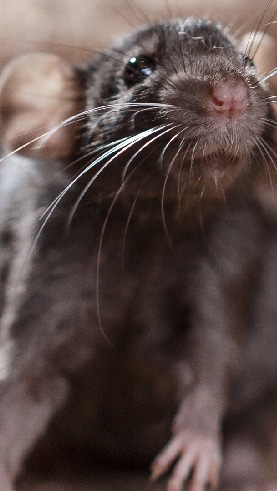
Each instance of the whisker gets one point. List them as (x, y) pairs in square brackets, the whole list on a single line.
[(270, 98), (166, 180), (182, 143), (81, 116), (98, 262), (192, 157), (146, 145), (120, 13), (267, 76), (271, 123), (257, 28), (104, 226), (160, 161), (264, 33), (137, 10), (169, 10), (261, 149), (202, 193), (184, 163), (269, 149), (128, 223), (124, 144)]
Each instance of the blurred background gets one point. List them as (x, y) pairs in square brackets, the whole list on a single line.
[(74, 27)]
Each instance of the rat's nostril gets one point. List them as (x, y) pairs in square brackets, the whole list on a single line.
[(217, 102), (229, 97)]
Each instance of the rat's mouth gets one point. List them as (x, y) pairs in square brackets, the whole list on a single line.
[(214, 164), (219, 161)]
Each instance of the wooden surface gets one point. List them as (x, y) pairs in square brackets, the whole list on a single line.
[(100, 482)]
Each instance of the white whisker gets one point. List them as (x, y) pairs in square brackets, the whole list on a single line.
[(146, 145), (127, 144), (268, 149), (166, 179), (192, 157), (262, 149), (123, 145), (268, 75), (79, 117)]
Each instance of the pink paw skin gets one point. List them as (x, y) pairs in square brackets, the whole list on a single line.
[(191, 454)]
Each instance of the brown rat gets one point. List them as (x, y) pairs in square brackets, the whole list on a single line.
[(132, 268)]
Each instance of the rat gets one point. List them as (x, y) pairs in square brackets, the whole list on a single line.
[(136, 273)]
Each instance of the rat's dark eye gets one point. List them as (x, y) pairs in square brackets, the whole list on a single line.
[(248, 61), (138, 68)]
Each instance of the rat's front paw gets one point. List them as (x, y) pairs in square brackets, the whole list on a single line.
[(193, 454)]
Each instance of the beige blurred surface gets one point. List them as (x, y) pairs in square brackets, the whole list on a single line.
[(73, 27)]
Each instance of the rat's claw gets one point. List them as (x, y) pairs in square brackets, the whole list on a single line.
[(181, 471), (206, 471), (165, 459), (200, 455)]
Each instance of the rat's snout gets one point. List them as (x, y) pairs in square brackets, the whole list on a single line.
[(229, 98)]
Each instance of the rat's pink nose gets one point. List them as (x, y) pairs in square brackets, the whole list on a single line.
[(229, 98)]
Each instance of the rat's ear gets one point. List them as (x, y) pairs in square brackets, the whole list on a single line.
[(38, 92)]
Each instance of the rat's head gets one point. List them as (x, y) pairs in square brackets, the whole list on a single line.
[(187, 101), (175, 110)]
